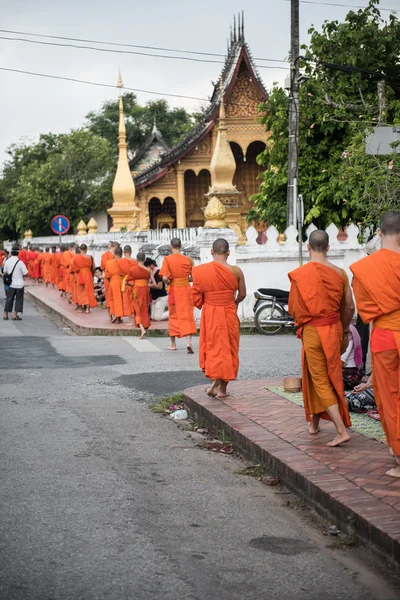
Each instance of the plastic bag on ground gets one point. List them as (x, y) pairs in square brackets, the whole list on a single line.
[(179, 415)]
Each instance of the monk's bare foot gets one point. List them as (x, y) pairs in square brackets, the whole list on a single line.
[(87, 311), (220, 396), (339, 439), (211, 392), (394, 472), (391, 452), (172, 348), (143, 334), (312, 429), (189, 350)]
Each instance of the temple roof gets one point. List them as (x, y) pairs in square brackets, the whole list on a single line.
[(238, 54), (151, 152)]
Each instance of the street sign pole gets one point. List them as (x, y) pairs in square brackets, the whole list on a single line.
[(300, 221)]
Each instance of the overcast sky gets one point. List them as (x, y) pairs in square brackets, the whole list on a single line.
[(32, 105)]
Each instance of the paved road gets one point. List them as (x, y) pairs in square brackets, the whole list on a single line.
[(102, 499)]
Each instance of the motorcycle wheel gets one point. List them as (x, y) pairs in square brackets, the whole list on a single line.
[(263, 314)]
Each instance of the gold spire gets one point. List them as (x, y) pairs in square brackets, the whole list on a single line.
[(123, 190), (223, 164)]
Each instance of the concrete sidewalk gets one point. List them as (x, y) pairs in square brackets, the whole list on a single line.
[(347, 483), (96, 323)]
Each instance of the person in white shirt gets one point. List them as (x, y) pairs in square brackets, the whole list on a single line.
[(15, 293)]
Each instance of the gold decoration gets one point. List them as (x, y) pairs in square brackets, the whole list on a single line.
[(164, 219), (223, 164), (215, 213), (123, 189), (146, 221), (82, 229), (282, 238), (28, 235), (92, 226), (135, 222)]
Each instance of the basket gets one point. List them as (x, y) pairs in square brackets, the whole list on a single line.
[(292, 384)]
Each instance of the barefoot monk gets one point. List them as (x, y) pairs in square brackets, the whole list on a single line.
[(176, 271), (321, 303), (376, 287), (218, 288), (139, 276), (114, 275)]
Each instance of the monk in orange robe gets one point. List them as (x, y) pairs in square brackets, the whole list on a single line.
[(54, 266), (140, 275), (83, 267), (115, 276), (125, 264), (40, 265), (22, 256), (73, 276), (321, 303), (47, 259), (105, 257), (176, 271), (66, 262), (218, 288), (376, 288), (33, 270)]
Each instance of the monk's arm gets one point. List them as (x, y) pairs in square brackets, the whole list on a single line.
[(165, 272), (349, 308), (241, 295), (197, 295), (366, 307)]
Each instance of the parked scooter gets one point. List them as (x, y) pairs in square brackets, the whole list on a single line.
[(270, 311)]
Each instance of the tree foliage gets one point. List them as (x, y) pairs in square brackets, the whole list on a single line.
[(339, 105), (173, 123), (67, 174)]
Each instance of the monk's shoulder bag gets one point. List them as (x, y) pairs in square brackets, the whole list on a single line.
[(7, 277)]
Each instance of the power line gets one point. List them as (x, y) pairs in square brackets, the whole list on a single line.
[(71, 39), (344, 5), (105, 85)]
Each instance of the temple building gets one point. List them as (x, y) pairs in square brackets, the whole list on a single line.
[(171, 183)]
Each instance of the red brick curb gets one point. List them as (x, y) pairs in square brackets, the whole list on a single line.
[(347, 483)]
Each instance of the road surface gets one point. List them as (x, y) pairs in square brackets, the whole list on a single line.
[(103, 500)]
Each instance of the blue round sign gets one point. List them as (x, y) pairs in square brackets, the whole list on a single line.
[(60, 224)]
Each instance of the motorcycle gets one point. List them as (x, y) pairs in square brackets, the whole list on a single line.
[(270, 311)]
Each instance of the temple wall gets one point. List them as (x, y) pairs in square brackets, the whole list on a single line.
[(264, 265)]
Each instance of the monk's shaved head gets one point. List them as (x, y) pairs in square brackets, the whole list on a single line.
[(319, 241), (140, 257), (127, 249), (390, 223), (220, 246), (118, 251), (176, 243), (72, 245), (115, 245)]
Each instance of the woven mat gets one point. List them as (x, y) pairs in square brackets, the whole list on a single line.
[(361, 422)]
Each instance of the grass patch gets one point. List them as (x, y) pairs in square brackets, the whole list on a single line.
[(162, 404), (222, 436), (254, 471)]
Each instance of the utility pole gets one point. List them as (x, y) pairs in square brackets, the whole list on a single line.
[(293, 157)]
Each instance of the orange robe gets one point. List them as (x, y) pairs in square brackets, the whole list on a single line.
[(214, 290), (115, 277), (40, 265), (54, 265), (47, 258), (181, 321), (140, 294), (105, 257), (376, 288), (22, 256), (33, 269), (126, 265), (83, 269), (66, 265), (316, 299)]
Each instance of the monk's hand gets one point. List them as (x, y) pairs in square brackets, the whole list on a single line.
[(362, 387)]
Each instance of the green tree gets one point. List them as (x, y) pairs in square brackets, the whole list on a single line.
[(173, 123), (69, 174), (338, 107)]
